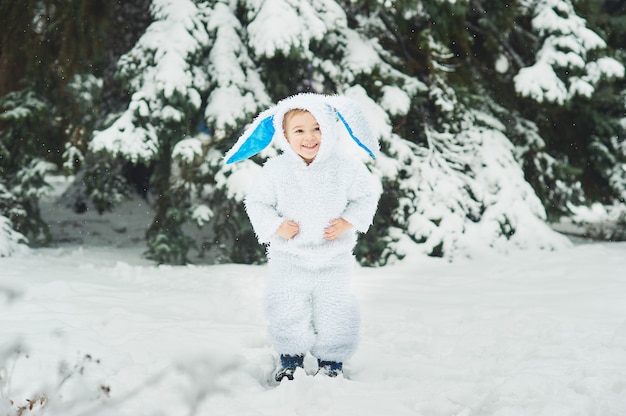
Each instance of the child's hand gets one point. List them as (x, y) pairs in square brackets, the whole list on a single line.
[(337, 227), (288, 230)]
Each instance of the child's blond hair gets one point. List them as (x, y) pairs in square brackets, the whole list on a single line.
[(290, 114)]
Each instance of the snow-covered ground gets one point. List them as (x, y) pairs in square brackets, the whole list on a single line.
[(97, 330)]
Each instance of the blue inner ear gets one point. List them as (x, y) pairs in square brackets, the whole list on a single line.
[(258, 140), (356, 139)]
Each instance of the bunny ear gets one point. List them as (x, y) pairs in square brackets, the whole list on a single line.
[(355, 138), (256, 138), (355, 123)]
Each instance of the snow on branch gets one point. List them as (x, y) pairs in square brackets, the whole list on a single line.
[(159, 69), (278, 26), (563, 68), (10, 240), (467, 196), (236, 85)]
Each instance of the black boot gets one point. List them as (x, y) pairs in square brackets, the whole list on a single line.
[(288, 366), (329, 368)]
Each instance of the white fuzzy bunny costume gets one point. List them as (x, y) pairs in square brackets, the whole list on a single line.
[(308, 301)]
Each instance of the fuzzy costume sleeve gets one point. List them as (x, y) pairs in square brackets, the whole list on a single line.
[(260, 206), (363, 196)]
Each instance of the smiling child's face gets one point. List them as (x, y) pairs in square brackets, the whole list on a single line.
[(303, 134)]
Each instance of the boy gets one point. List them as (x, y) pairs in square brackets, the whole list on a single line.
[(307, 205)]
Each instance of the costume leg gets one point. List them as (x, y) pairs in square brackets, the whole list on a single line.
[(336, 317), (288, 307)]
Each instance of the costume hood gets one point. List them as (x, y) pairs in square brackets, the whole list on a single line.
[(328, 110)]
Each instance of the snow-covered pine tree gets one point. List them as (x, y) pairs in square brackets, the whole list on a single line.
[(463, 190), (564, 65), (165, 74), (42, 45), (604, 215), (235, 92), (578, 113), (22, 169)]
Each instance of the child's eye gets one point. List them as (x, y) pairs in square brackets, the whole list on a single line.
[(299, 131), (317, 129)]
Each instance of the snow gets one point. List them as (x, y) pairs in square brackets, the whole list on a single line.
[(567, 23), (174, 36), (605, 66), (238, 87), (124, 137), (278, 26), (540, 83), (510, 202), (10, 240), (97, 329), (187, 150), (395, 101), (201, 214), (360, 56), (501, 64), (240, 180)]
